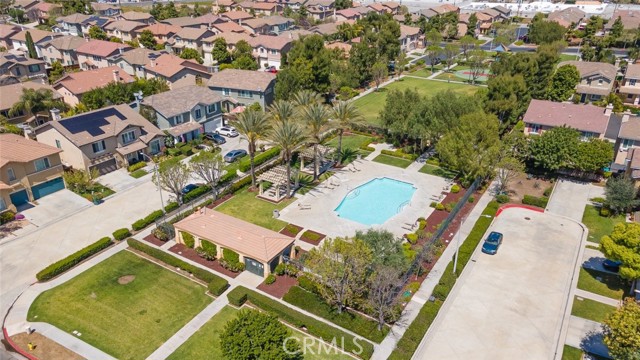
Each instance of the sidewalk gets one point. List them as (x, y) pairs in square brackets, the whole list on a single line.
[(595, 297)]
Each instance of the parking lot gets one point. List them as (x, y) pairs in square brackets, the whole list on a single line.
[(510, 305)]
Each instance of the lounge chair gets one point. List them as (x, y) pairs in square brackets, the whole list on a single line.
[(304, 206)]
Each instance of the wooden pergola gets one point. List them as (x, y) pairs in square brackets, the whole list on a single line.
[(308, 153), (278, 177)]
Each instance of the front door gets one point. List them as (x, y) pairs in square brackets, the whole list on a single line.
[(254, 266)]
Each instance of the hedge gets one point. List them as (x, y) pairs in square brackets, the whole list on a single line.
[(148, 220), (245, 164), (230, 255), (196, 193), (209, 248), (171, 206), (74, 259), (535, 201), (312, 303), (121, 234), (328, 333), (189, 240), (136, 166), (214, 281), (7, 216), (400, 154)]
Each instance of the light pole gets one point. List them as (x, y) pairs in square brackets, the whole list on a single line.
[(157, 179)]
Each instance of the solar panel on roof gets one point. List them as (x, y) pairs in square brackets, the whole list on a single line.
[(91, 123)]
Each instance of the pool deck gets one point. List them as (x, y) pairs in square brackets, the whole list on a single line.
[(317, 212)]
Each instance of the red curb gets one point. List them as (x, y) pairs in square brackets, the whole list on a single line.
[(509, 206), (15, 347)]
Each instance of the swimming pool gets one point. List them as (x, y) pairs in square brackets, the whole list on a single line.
[(376, 201)]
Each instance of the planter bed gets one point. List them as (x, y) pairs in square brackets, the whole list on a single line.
[(280, 287), (154, 240), (312, 237), (188, 253), (286, 230), (220, 200)]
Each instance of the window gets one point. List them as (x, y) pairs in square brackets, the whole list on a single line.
[(244, 93), (226, 92), (11, 174), (211, 108), (626, 143), (121, 66), (58, 145), (178, 119), (586, 135), (96, 58), (42, 164), (198, 113), (98, 147), (18, 72), (34, 68), (534, 129), (600, 81), (128, 137), (632, 82), (155, 146), (273, 52)]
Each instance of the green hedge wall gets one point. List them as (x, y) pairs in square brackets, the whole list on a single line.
[(245, 164), (230, 256), (136, 166), (189, 240), (535, 201), (121, 234), (148, 220), (72, 260)]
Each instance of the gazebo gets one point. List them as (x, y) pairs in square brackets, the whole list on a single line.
[(323, 153), (277, 176)]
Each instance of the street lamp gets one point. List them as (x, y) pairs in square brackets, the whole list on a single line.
[(157, 180)]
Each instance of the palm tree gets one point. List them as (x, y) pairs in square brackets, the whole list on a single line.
[(281, 111), (253, 126), (33, 101), (288, 135), (306, 97), (316, 119), (345, 116)]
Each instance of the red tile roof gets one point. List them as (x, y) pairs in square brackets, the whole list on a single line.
[(100, 48), (80, 82), (589, 118)]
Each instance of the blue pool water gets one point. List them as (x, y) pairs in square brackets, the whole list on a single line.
[(376, 201)]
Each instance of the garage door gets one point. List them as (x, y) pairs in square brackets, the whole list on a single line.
[(106, 167), (253, 266), (48, 187), (211, 126), (19, 198)]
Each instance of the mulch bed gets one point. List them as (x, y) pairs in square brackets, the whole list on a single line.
[(285, 231), (220, 201), (45, 347), (312, 241), (154, 240), (191, 254), (280, 287)]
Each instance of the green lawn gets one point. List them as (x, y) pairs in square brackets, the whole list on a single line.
[(571, 353), (204, 344), (610, 285), (246, 206), (567, 57), (352, 141), (126, 321), (138, 173), (599, 226), (591, 310), (393, 161), (371, 104), (438, 171)]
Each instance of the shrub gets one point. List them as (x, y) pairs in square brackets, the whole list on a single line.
[(72, 260), (291, 270), (173, 151), (471, 199), (270, 279), (245, 164), (600, 200), (433, 204), (422, 224), (412, 238), (346, 93), (433, 161), (237, 297), (399, 153), (217, 286), (209, 249), (535, 201), (196, 193), (292, 229), (188, 239), (143, 223), (230, 255), (231, 261), (439, 207), (240, 184), (121, 234), (7, 216), (171, 206), (605, 212), (449, 207), (160, 234), (455, 188), (186, 150), (279, 270), (502, 198), (228, 177), (547, 191), (136, 166), (307, 283)]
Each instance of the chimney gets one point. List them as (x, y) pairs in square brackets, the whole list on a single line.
[(116, 75), (608, 110), (626, 115), (55, 114), (120, 50), (139, 98)]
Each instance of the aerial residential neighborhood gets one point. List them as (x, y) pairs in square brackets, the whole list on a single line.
[(319, 179)]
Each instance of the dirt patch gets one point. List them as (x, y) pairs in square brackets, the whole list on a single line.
[(45, 348), (189, 253), (220, 201), (527, 185), (153, 240), (124, 280), (280, 287)]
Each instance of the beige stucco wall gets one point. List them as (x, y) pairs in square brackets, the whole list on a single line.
[(100, 63), (70, 155), (27, 176), (68, 96)]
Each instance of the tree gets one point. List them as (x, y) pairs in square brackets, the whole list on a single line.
[(450, 51), (253, 335), (621, 331), (97, 33), (34, 101), (345, 115), (219, 52), (507, 97), (555, 148), (253, 126), (545, 32), (189, 53), (308, 67), (386, 248), (31, 47), (616, 29), (80, 181), (208, 167), (434, 37), (621, 195), (473, 24), (594, 25), (57, 71), (379, 72), (401, 63), (623, 245), (282, 111), (472, 146), (477, 63), (315, 117), (343, 4), (305, 98), (147, 39), (509, 167), (467, 43), (563, 83), (172, 176), (341, 266), (433, 55), (593, 155), (242, 56), (383, 293), (288, 135)]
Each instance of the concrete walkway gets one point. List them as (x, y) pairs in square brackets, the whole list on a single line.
[(412, 309), (569, 198), (595, 297), (71, 342)]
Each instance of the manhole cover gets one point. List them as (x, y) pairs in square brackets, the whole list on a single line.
[(527, 218)]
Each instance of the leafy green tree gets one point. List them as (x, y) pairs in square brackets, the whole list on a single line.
[(545, 32), (621, 195), (17, 15), (509, 167), (593, 155), (473, 23), (343, 4), (467, 43), (172, 176), (308, 67), (361, 58), (563, 83), (477, 58), (243, 58), (7, 127), (220, 53), (253, 335), (253, 126), (397, 115), (288, 135), (434, 37), (593, 26), (189, 53), (617, 28), (315, 118), (507, 97), (57, 71), (34, 101), (401, 63), (386, 248), (97, 33), (547, 56), (449, 52), (345, 115), (379, 72), (208, 167), (621, 331), (623, 245), (433, 55), (147, 39), (31, 47), (555, 148)]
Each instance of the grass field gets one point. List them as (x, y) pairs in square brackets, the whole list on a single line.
[(127, 321), (392, 160), (352, 141), (610, 285), (204, 344), (437, 171), (599, 226), (261, 210), (567, 57), (371, 104), (571, 353), (591, 310)]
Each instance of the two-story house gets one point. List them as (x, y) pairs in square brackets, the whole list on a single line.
[(161, 32), (393, 7), (628, 141), (630, 88), (137, 16), (105, 139), (187, 112), (201, 22), (125, 30), (72, 24), (269, 50), (29, 170), (596, 79), (228, 27), (347, 14), (230, 37), (321, 9), (19, 40), (25, 6), (6, 32), (73, 85), (176, 72), (244, 87), (569, 17), (11, 95), (62, 49), (261, 8), (237, 16), (189, 38), (97, 21), (44, 11), (106, 9), (133, 62), (21, 67), (95, 54), (221, 6), (409, 38)]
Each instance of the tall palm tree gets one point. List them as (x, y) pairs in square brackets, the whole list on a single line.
[(253, 126), (306, 98), (288, 135), (33, 101), (345, 115), (282, 111), (315, 117)]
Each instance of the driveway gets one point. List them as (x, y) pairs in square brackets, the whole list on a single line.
[(570, 197), (120, 180), (55, 206), (510, 305)]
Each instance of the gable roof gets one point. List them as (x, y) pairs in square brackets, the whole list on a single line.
[(67, 42), (80, 82), (100, 48), (36, 35), (11, 93), (568, 16), (161, 29), (242, 79), (378, 7), (236, 15), (75, 18), (231, 38), (136, 15), (582, 117), (270, 42), (630, 129), (8, 30), (588, 68), (408, 31), (124, 25), (630, 19), (137, 56), (230, 26), (192, 33), (16, 148), (178, 101), (633, 71), (168, 65)]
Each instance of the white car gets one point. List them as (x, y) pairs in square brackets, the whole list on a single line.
[(227, 131)]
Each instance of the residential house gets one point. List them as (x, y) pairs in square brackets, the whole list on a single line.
[(186, 112), (378, 8), (633, 166), (463, 25), (230, 37), (105, 139), (133, 62), (495, 15), (320, 9), (229, 27), (200, 22), (409, 38), (11, 95), (506, 12), (6, 32), (29, 170), (221, 6), (627, 144), (596, 79), (19, 40), (62, 49), (73, 85), (570, 17), (630, 19), (21, 67), (176, 72), (189, 38), (236, 16), (259, 249), (125, 30), (485, 22), (269, 50), (161, 32), (141, 17), (72, 24), (26, 6), (629, 90), (347, 14), (97, 21), (95, 54), (244, 87), (43, 11), (106, 9), (327, 29), (445, 9), (295, 34), (260, 8), (268, 25), (294, 4), (392, 7)]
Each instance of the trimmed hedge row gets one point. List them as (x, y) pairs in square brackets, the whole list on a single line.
[(245, 164), (217, 285), (72, 260), (121, 234), (136, 166), (328, 333), (535, 201), (196, 193), (415, 332), (400, 154), (148, 220)]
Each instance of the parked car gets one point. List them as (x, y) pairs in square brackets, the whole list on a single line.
[(234, 155), (492, 243), (189, 188), (216, 138), (611, 265), (227, 131), (271, 69)]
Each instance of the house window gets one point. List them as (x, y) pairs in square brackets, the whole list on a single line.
[(534, 129), (198, 113), (586, 135), (18, 72), (626, 144), (34, 68), (244, 93), (600, 82), (58, 145), (11, 174), (155, 146), (128, 137), (273, 52), (98, 147), (226, 92), (179, 119), (632, 82), (96, 58), (42, 164), (211, 108)]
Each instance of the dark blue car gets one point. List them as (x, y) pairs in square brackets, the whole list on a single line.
[(189, 188), (492, 243)]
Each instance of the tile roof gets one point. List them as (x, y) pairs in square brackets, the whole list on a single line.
[(446, 8), (241, 79), (295, 34), (236, 15), (138, 56), (192, 33), (124, 25), (161, 29), (178, 101), (240, 236), (347, 13), (231, 38), (492, 12), (168, 65), (391, 5), (183, 128), (630, 129), (10, 58), (11, 93), (80, 82), (630, 19), (634, 156), (325, 3), (36, 35), (46, 7), (16, 148), (182, 21), (67, 42), (270, 42), (378, 7), (578, 116), (258, 5), (230, 26), (633, 71), (408, 31), (8, 30), (75, 18), (100, 48), (588, 68), (136, 15)]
